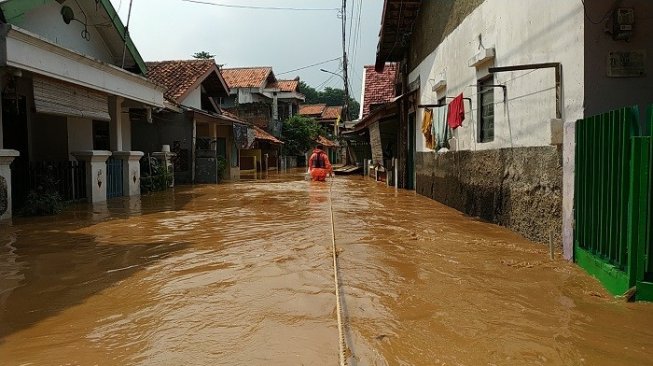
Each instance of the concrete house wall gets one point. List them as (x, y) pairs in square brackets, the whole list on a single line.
[(515, 179), (603, 93), (46, 20)]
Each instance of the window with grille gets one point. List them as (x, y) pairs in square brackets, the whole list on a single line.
[(486, 110)]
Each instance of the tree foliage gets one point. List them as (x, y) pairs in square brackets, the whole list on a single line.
[(299, 134), (329, 96), (203, 55)]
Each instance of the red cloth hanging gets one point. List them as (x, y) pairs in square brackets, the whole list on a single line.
[(456, 112)]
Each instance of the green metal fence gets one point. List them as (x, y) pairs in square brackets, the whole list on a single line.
[(643, 192), (612, 204)]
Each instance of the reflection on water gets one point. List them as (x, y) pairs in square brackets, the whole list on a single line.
[(240, 274)]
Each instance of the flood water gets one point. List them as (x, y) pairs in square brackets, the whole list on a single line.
[(241, 274)]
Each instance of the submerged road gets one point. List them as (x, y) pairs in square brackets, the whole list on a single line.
[(241, 274)]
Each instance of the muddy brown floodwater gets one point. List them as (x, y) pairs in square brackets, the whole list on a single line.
[(241, 274)]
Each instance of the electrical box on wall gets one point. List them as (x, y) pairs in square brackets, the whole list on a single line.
[(623, 24)]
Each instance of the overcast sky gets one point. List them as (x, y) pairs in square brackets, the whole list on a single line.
[(283, 39)]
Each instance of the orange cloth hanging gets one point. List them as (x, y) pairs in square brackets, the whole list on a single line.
[(427, 130)]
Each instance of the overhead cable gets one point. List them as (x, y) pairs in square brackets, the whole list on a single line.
[(258, 7), (306, 67)]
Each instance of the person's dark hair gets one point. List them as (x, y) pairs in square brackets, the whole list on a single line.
[(319, 146)]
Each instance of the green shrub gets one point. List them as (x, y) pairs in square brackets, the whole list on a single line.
[(44, 200), (222, 168)]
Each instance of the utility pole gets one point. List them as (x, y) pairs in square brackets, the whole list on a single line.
[(344, 62)]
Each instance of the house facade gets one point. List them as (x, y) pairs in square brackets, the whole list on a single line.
[(192, 126), (379, 113), (525, 72), (67, 90), (258, 97), (328, 116)]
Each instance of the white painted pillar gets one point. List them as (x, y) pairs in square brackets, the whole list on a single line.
[(115, 126), (131, 171), (6, 157), (96, 173), (568, 187)]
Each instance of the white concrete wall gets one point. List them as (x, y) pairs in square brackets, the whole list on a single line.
[(47, 22), (194, 99), (80, 134), (126, 132), (250, 95), (244, 96), (522, 32)]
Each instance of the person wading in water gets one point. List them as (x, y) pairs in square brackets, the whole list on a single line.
[(319, 165)]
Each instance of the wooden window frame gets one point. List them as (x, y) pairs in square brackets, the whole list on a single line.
[(486, 120)]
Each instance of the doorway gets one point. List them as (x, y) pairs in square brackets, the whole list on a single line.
[(410, 160)]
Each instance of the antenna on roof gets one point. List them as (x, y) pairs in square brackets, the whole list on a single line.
[(124, 46)]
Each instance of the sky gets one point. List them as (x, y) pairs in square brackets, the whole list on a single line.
[(283, 39)]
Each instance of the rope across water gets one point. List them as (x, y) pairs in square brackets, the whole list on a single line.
[(341, 335)]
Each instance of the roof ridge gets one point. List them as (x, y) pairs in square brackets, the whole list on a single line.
[(186, 60), (247, 67)]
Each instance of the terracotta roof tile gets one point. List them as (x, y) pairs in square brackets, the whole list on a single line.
[(379, 88), (262, 135), (232, 116), (246, 77), (178, 76), (285, 85), (312, 109), (332, 112), (325, 141)]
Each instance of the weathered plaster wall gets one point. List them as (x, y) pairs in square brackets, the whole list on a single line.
[(603, 93), (516, 179), (436, 20), (523, 32), (518, 188)]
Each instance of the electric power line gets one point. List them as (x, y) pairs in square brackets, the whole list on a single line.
[(312, 65), (258, 7)]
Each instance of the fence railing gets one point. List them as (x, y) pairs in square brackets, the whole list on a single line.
[(612, 210), (114, 178), (68, 178)]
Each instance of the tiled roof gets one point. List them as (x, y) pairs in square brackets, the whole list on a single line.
[(231, 115), (285, 85), (325, 141), (262, 135), (331, 112), (312, 109), (379, 88), (246, 77), (178, 76)]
